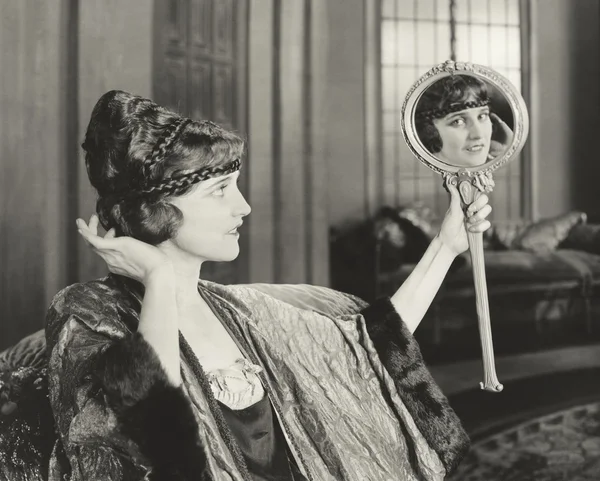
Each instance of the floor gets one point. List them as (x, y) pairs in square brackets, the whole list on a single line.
[(543, 426), (462, 376)]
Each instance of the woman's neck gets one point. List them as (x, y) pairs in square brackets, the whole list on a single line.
[(187, 274)]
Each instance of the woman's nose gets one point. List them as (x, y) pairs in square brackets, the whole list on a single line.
[(475, 130), (242, 208)]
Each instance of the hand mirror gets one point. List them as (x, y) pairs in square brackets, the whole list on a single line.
[(464, 121)]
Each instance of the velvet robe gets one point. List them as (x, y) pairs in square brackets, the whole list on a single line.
[(346, 381)]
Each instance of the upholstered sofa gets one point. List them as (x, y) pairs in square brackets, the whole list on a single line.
[(543, 280), (26, 424)]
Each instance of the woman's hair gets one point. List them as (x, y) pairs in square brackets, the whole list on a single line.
[(138, 155), (450, 94)]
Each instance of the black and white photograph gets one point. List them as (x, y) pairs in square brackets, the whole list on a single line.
[(299, 240)]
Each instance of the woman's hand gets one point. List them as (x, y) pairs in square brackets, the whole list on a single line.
[(453, 233), (504, 137), (125, 256)]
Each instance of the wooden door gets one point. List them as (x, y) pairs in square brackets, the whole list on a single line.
[(200, 71)]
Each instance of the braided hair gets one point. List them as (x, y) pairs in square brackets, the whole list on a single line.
[(138, 155), (449, 94)]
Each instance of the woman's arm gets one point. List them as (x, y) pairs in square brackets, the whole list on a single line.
[(158, 321), (134, 376), (146, 264), (414, 296)]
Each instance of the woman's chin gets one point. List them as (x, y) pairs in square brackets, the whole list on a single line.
[(472, 160), (228, 251)]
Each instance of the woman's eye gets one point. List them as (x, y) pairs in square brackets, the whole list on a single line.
[(457, 122), (484, 116), (220, 192)]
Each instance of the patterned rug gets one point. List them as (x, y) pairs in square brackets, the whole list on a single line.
[(562, 446)]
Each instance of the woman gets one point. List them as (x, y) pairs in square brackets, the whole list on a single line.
[(454, 122), (155, 374)]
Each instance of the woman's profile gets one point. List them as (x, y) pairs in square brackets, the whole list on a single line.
[(454, 121), (155, 374)]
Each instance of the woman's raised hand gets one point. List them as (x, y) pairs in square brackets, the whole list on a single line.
[(504, 137), (453, 233), (125, 256)]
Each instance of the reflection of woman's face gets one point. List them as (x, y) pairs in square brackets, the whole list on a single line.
[(466, 136)]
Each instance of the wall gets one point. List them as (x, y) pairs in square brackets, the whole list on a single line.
[(565, 115), (585, 107), (57, 58), (288, 132), (310, 164), (115, 52), (32, 151), (564, 109), (345, 111)]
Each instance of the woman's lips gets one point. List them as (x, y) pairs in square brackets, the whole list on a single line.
[(475, 148), (234, 231)]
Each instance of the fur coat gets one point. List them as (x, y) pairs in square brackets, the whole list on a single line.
[(346, 381)]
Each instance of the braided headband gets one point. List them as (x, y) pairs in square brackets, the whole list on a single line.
[(179, 183), (440, 113), (172, 131)]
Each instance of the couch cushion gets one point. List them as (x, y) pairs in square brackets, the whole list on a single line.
[(516, 271), (27, 432), (583, 237), (28, 352), (26, 423), (524, 270), (545, 235)]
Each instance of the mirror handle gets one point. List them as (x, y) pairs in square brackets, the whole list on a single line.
[(490, 379), (470, 188)]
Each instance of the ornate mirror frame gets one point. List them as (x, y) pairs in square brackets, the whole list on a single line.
[(471, 181)]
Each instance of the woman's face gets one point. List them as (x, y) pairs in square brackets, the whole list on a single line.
[(212, 213), (466, 136)]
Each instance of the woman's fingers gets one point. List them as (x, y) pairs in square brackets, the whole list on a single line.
[(480, 215), (481, 227), (454, 195), (94, 240), (110, 234), (93, 224), (478, 204)]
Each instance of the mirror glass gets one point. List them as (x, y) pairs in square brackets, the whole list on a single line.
[(464, 120), (462, 116)]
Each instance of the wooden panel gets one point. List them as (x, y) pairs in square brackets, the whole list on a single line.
[(199, 100), (318, 182), (174, 84), (260, 165), (223, 96), (206, 75), (201, 27), (373, 107), (175, 25), (32, 170), (291, 244), (115, 53), (345, 104), (223, 29)]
